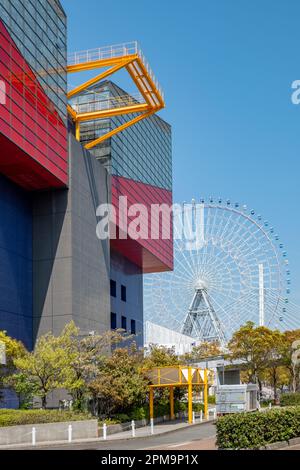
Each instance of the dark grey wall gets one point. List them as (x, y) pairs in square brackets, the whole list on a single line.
[(71, 265)]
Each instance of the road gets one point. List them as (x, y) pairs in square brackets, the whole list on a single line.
[(191, 438)]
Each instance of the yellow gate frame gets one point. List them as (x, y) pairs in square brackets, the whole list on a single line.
[(178, 376), (114, 58)]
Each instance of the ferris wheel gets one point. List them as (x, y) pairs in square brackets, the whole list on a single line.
[(230, 267)]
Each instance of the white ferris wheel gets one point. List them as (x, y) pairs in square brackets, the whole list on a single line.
[(230, 267)]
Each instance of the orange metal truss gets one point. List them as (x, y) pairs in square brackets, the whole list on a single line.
[(115, 58)]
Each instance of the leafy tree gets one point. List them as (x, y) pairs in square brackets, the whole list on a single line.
[(202, 351), (24, 388), (160, 356), (13, 350), (44, 368), (87, 357), (120, 386), (260, 349), (289, 354)]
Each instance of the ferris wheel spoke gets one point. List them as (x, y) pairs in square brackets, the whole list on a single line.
[(223, 267)]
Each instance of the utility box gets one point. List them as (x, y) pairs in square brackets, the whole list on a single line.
[(2, 354), (236, 398)]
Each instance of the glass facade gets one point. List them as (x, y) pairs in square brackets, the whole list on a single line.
[(38, 27), (33, 133), (142, 152)]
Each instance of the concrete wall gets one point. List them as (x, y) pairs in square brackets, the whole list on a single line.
[(15, 435), (129, 275), (71, 265)]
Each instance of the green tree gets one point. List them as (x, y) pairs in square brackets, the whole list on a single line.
[(202, 351), (160, 356), (87, 357), (290, 353), (44, 368), (23, 387), (13, 349), (259, 348), (120, 385)]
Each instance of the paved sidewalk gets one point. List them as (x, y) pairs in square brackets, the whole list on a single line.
[(162, 428), (141, 433)]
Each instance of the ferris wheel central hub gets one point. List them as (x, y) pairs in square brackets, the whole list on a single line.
[(201, 285)]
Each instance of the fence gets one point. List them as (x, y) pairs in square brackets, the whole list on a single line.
[(50, 432), (148, 427)]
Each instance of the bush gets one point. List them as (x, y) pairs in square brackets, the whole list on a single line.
[(140, 413), (197, 407), (20, 417), (108, 422), (212, 399), (119, 418), (254, 430), (290, 399), (266, 403)]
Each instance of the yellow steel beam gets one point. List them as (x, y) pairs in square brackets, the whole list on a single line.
[(206, 394), (139, 74), (174, 384), (172, 414), (151, 82), (190, 396), (97, 64), (72, 112), (97, 79), (151, 402), (105, 113), (144, 92), (77, 131), (118, 129), (150, 89)]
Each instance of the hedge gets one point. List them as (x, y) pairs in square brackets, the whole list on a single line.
[(19, 417), (290, 399), (254, 430)]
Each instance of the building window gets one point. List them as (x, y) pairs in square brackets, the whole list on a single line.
[(124, 323), (113, 321), (113, 288), (133, 327), (123, 293)]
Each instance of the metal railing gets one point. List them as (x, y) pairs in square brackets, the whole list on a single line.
[(102, 53), (107, 103), (113, 52)]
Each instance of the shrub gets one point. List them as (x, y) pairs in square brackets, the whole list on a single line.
[(212, 399), (290, 399), (254, 430), (265, 403), (20, 417), (140, 413), (108, 421), (119, 418)]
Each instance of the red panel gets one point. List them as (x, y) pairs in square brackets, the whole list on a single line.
[(152, 255), (33, 137)]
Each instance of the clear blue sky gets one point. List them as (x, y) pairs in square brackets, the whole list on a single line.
[(226, 67)]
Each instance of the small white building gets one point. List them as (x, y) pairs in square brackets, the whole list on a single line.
[(162, 336)]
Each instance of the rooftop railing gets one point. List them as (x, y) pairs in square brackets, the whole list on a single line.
[(95, 104), (111, 52)]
